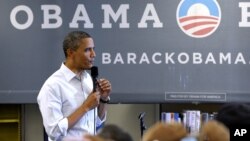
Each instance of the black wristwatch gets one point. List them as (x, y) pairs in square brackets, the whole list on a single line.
[(105, 101)]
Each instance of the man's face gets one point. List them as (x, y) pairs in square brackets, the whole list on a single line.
[(83, 57)]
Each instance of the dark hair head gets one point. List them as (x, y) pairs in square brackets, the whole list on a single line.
[(73, 39), (234, 114), (114, 133)]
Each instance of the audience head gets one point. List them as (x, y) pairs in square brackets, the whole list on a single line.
[(112, 132), (234, 115), (86, 137), (165, 132), (213, 130), (92, 138)]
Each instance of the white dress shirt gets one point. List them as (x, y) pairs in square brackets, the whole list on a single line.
[(61, 94)]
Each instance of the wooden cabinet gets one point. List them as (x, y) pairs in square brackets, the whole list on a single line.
[(10, 122)]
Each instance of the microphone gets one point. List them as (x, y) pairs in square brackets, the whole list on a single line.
[(141, 116), (142, 124), (94, 75)]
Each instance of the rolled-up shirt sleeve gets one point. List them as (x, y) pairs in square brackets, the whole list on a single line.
[(61, 95), (55, 124)]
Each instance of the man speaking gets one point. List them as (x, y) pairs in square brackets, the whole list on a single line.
[(68, 104)]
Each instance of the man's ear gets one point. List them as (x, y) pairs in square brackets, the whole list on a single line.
[(69, 51)]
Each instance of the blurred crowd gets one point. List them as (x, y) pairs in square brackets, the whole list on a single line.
[(229, 116)]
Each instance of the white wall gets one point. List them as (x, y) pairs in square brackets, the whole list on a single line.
[(126, 116), (33, 127)]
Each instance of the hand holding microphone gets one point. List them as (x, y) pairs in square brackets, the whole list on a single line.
[(105, 89), (93, 98), (102, 85), (101, 89)]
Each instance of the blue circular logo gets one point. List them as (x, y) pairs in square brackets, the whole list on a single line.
[(198, 18)]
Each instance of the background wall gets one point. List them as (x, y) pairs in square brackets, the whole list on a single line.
[(33, 128), (126, 116), (123, 115)]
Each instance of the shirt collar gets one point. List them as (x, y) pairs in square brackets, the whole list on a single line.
[(69, 75)]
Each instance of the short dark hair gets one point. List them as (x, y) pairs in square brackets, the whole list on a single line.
[(114, 133), (73, 39), (234, 114)]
